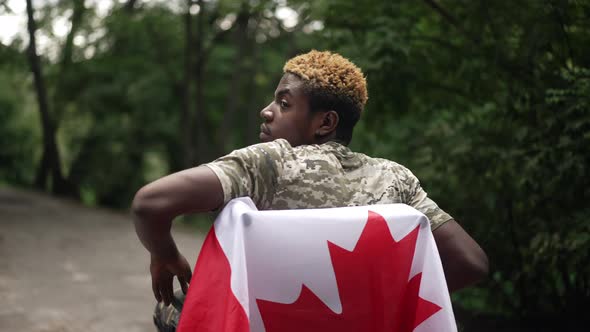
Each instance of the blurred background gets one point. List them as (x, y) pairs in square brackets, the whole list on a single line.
[(487, 102)]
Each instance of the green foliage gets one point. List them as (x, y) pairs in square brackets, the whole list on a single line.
[(19, 130), (489, 106), (487, 102), (118, 103)]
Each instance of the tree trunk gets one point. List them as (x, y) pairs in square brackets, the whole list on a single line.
[(77, 173), (202, 149), (71, 185), (235, 94), (50, 160), (66, 60), (130, 5), (186, 125), (254, 108)]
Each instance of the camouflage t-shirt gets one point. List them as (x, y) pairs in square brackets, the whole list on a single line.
[(277, 176)]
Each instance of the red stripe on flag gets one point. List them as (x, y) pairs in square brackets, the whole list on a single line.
[(210, 304)]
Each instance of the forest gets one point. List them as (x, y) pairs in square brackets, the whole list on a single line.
[(487, 102)]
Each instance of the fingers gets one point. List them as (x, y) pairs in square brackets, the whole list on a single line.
[(185, 278), (183, 284), (182, 270), (162, 287), (166, 290), (188, 273), (163, 276), (156, 289)]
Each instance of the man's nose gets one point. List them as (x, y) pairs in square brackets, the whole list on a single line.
[(267, 113)]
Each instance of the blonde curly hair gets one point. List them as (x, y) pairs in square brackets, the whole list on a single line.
[(332, 82), (331, 73)]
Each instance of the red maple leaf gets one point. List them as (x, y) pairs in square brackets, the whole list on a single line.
[(373, 286)]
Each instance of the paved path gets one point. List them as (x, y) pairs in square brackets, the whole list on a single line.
[(65, 267)]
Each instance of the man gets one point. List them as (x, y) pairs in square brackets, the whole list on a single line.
[(303, 163)]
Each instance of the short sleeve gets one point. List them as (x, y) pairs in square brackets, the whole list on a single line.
[(253, 171), (416, 197)]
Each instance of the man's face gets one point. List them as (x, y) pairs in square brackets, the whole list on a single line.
[(288, 115)]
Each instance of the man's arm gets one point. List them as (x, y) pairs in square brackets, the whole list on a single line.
[(463, 260), (156, 205)]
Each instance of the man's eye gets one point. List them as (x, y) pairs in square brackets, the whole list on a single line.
[(284, 104)]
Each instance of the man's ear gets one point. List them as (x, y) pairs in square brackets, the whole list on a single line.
[(329, 123)]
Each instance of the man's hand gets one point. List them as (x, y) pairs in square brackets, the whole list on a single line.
[(163, 271), (156, 205)]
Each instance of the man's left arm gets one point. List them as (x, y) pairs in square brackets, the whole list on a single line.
[(463, 260)]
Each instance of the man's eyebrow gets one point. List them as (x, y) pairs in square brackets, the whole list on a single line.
[(282, 92)]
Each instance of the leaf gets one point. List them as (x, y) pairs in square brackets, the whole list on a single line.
[(373, 286)]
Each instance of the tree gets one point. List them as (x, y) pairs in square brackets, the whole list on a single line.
[(50, 160), (484, 102)]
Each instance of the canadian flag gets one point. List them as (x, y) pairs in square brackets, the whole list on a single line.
[(372, 268)]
